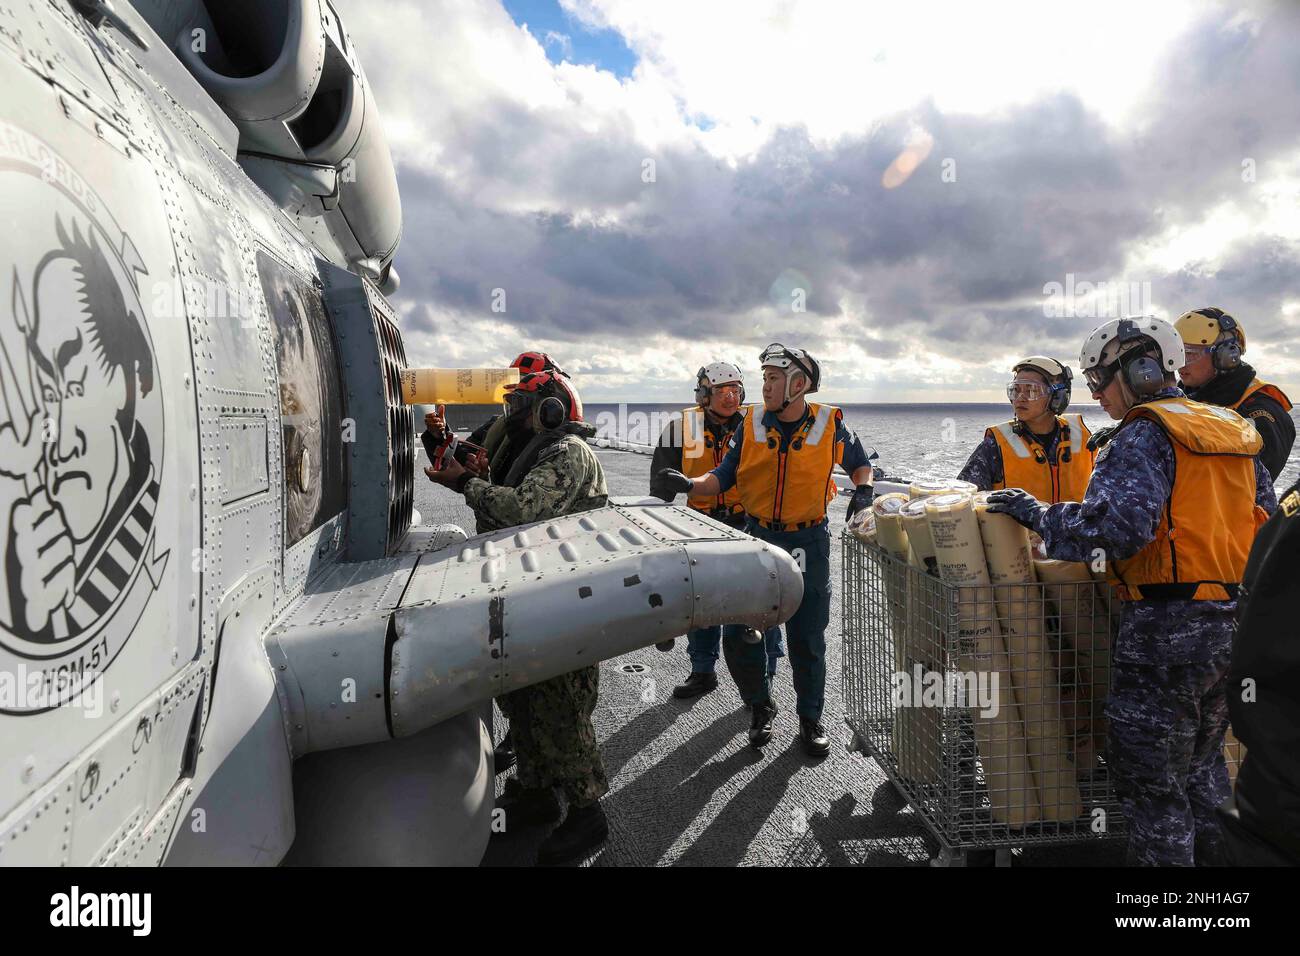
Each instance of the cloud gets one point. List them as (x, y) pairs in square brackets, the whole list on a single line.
[(637, 244)]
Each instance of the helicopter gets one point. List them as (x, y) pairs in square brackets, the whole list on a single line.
[(225, 637)]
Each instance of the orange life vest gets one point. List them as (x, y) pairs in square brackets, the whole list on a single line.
[(1025, 463), (1272, 391), (788, 490), (1209, 522), (701, 453)]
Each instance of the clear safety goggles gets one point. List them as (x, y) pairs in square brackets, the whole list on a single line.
[(1026, 391), (730, 388), (1193, 352)]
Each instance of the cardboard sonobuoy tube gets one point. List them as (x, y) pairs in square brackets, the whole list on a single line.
[(891, 537), (1000, 739), (1085, 650), (1020, 613), (456, 386), (948, 486), (924, 648), (917, 526)]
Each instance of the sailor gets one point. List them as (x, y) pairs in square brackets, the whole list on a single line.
[(555, 473), (782, 462), (1042, 449), (693, 443), (1175, 499), (1262, 819), (499, 436), (1213, 343), (502, 439)]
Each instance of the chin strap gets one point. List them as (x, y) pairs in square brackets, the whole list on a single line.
[(788, 397)]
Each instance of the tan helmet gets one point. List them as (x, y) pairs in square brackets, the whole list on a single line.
[(1214, 329)]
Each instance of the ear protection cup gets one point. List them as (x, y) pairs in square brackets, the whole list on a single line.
[(1059, 394), (550, 413), (702, 390), (1226, 355), (1144, 375)]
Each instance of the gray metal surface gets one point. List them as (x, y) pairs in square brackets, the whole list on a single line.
[(367, 408), (505, 610), (288, 77), (109, 141)]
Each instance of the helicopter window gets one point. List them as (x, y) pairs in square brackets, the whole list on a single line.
[(311, 405)]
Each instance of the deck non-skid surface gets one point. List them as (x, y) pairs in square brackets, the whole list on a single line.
[(685, 786)]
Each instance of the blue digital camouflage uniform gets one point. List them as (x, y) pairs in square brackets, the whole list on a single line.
[(1167, 708), (984, 467), (550, 722)]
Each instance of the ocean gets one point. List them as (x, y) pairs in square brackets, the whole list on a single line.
[(930, 441)]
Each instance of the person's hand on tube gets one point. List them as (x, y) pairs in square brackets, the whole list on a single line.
[(862, 498), (1018, 504)]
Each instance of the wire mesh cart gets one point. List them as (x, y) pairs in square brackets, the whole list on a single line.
[(982, 704)]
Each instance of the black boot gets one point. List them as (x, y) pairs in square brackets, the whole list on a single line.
[(528, 807), (760, 723), (696, 685), (815, 741), (584, 829), (504, 754)]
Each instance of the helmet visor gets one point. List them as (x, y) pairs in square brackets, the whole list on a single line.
[(516, 403), (1100, 376)]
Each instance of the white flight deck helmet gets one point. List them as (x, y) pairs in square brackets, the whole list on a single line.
[(1058, 379), (1104, 351), (789, 360), (714, 374)]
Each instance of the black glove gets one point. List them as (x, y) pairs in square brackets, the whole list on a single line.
[(861, 499), (674, 481), (1101, 436), (1018, 504), (665, 646)]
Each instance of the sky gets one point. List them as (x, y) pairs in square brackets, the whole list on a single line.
[(917, 194)]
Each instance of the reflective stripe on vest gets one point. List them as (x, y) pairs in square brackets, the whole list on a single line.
[(1027, 467), (701, 453), (1272, 391), (790, 487), (1208, 525)]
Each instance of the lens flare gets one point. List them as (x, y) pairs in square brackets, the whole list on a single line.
[(906, 162)]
